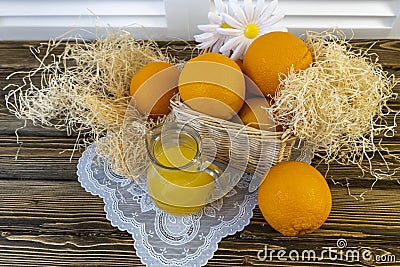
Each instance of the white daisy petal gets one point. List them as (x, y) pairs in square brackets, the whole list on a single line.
[(204, 37), (229, 31), (220, 6), (248, 10), (273, 28), (274, 19), (217, 46), (239, 14), (214, 18), (230, 11), (238, 51), (226, 53), (206, 44), (208, 27), (267, 12), (265, 29), (248, 43), (198, 37), (231, 21), (231, 44), (259, 8)]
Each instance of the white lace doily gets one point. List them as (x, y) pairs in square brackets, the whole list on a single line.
[(160, 238)]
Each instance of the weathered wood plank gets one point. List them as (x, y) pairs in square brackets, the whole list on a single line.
[(387, 50), (52, 223), (16, 55), (38, 157), (41, 157), (16, 52)]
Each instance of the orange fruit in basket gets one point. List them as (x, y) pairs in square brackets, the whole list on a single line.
[(153, 86), (212, 84), (239, 62), (254, 115), (294, 198), (274, 53)]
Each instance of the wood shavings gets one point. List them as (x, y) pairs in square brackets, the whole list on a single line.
[(339, 104), (85, 90)]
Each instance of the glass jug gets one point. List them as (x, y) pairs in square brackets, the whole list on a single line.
[(180, 180)]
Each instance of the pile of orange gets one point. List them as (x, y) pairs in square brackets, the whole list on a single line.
[(294, 197), (214, 84)]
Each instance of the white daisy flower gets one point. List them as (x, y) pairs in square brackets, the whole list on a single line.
[(244, 25), (211, 37)]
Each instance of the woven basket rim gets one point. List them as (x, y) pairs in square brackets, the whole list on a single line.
[(236, 128)]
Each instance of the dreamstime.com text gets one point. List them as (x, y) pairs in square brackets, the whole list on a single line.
[(339, 253)]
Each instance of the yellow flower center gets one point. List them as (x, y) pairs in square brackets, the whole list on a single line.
[(251, 31), (225, 25)]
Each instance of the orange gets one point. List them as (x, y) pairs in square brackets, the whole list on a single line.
[(153, 86), (274, 53), (239, 62), (253, 114), (252, 90), (294, 198), (212, 84)]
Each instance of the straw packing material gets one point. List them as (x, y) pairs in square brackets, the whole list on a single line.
[(85, 90)]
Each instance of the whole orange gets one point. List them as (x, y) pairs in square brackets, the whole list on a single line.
[(274, 53), (239, 62), (294, 198), (153, 86), (212, 84), (254, 114)]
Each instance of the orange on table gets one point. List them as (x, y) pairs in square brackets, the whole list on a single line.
[(212, 84), (294, 198), (153, 86), (274, 53), (254, 115)]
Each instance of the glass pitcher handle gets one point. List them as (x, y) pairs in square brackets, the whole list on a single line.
[(211, 169), (221, 186)]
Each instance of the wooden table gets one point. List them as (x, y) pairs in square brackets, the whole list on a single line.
[(47, 218)]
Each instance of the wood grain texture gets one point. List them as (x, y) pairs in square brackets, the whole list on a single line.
[(47, 219), (60, 224)]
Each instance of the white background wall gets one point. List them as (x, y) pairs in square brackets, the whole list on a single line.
[(177, 19)]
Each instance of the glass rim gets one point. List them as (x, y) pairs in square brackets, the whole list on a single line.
[(196, 138)]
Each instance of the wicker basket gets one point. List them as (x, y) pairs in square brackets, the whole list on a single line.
[(237, 145)]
